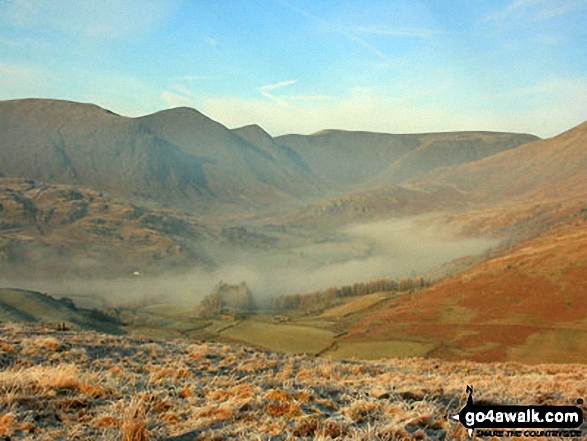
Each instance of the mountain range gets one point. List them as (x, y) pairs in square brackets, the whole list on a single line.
[(82, 183), (180, 157)]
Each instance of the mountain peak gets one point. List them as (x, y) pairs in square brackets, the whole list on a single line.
[(252, 131), (326, 132), (177, 112)]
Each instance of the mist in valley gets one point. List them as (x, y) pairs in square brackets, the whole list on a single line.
[(384, 249)]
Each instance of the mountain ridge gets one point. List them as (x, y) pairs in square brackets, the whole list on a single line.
[(181, 157)]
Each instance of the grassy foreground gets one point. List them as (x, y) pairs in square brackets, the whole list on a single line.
[(63, 385)]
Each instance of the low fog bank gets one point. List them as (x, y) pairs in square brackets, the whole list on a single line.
[(384, 249)]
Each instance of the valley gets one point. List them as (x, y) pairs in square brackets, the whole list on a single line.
[(293, 220), (151, 238)]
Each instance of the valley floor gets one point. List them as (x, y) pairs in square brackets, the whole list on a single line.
[(83, 385)]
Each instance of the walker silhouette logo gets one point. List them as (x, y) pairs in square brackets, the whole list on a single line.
[(485, 419)]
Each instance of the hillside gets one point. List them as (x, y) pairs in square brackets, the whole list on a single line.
[(522, 304), (553, 168), (21, 306), (547, 171), (525, 305), (442, 150), (237, 169), (348, 160), (49, 231), (87, 386), (173, 157), (181, 158)]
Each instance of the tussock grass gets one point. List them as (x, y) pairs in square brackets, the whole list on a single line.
[(133, 427), (89, 386)]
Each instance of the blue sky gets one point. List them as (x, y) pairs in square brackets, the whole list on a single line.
[(298, 66)]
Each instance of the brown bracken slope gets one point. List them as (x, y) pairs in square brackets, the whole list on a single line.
[(528, 303)]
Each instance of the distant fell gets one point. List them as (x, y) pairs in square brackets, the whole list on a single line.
[(350, 159), (551, 168), (539, 171), (177, 156), (181, 158), (82, 144)]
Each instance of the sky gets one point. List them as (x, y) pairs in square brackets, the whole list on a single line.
[(299, 66)]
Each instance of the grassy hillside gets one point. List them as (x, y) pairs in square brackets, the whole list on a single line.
[(553, 168), (21, 306), (87, 386), (525, 305)]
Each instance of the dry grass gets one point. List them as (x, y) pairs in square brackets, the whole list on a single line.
[(122, 388), (133, 427)]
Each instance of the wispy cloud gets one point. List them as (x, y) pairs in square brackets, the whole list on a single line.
[(397, 31), (183, 90), (264, 90), (178, 96), (211, 42), (278, 85), (536, 10), (193, 77), (106, 19), (341, 30)]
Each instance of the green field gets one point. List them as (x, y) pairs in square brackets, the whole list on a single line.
[(287, 338), (355, 304)]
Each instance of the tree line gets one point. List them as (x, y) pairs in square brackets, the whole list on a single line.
[(318, 300)]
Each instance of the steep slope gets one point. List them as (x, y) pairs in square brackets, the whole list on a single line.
[(526, 305), (52, 231), (255, 135), (351, 159), (235, 168), (82, 144), (175, 157), (544, 171)]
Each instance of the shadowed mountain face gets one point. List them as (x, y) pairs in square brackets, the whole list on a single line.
[(71, 143), (176, 157), (180, 157), (351, 159), (553, 169)]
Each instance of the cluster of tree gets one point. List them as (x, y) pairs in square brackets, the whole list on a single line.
[(227, 298), (322, 299)]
